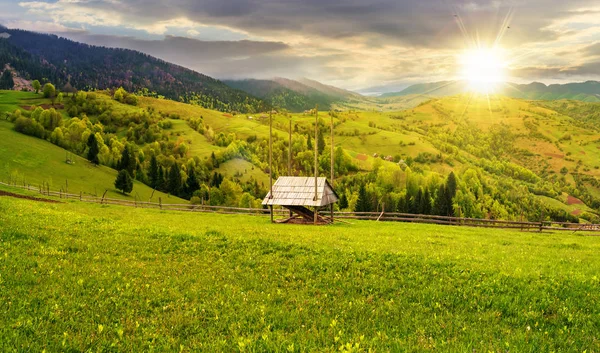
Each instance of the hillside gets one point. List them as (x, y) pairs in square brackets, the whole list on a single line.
[(89, 277), (544, 157), (35, 162), (295, 96), (583, 91), (87, 67)]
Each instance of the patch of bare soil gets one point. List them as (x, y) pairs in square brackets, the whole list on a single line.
[(43, 106), (554, 155), (573, 201), (10, 194)]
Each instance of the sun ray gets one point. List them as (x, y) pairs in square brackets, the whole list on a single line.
[(434, 89), (467, 105), (504, 27)]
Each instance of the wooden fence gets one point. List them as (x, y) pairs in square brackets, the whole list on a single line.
[(374, 216)]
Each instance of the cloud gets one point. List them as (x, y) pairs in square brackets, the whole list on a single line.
[(216, 58), (352, 43), (42, 26), (592, 50)]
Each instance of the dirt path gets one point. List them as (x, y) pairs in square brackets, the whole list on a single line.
[(10, 194)]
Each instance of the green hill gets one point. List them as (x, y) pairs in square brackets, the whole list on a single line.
[(33, 161), (509, 156)]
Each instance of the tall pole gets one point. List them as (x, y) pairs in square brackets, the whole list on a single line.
[(271, 159), (331, 205), (316, 151), (290, 150), (290, 155)]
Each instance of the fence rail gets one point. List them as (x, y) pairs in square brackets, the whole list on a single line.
[(374, 216)]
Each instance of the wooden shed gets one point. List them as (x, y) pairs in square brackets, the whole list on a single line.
[(298, 193)]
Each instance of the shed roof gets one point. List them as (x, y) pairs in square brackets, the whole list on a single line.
[(300, 191)]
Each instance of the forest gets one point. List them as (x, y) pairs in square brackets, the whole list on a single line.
[(50, 58)]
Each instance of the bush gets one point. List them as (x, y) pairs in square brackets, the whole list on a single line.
[(29, 127)]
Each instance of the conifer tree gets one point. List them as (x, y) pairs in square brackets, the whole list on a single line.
[(124, 182), (174, 184), (343, 201), (93, 150), (320, 142), (362, 203), (153, 172), (127, 161), (426, 202), (191, 184)]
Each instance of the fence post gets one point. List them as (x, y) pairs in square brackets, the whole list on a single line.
[(542, 221), (102, 201), (160, 203), (521, 220), (80, 195), (382, 211)]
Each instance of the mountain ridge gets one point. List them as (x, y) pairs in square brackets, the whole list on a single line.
[(588, 91), (50, 58)]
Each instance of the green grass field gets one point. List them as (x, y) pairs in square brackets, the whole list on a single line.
[(87, 277), (35, 161)]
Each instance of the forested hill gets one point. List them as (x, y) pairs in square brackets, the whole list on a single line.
[(288, 94), (58, 60)]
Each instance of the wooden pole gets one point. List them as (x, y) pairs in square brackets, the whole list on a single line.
[(271, 160), (332, 151), (316, 152), (332, 173), (290, 155), (316, 147), (290, 150)]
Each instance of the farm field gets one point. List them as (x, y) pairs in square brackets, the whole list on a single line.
[(87, 277)]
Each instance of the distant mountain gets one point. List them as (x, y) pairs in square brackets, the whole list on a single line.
[(435, 89), (583, 91), (588, 91), (58, 60), (329, 90), (295, 96)]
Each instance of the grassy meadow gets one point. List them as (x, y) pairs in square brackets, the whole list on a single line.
[(87, 277), (36, 161)]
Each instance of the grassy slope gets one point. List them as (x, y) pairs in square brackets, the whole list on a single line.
[(247, 169), (78, 277), (36, 161), (11, 100)]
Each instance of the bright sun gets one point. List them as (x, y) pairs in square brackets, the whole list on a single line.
[(483, 69)]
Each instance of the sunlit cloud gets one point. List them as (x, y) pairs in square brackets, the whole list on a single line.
[(352, 44)]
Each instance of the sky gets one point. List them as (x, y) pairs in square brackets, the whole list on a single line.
[(376, 46)]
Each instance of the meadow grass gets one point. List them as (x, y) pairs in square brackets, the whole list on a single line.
[(246, 169), (35, 161), (87, 277)]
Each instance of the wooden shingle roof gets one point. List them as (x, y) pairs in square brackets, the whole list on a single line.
[(300, 191)]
